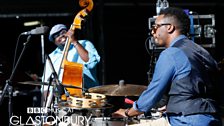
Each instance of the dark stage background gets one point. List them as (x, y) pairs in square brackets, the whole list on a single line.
[(117, 28)]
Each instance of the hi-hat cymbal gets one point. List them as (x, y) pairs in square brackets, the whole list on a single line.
[(119, 89), (37, 83)]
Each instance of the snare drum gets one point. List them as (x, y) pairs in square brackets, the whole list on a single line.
[(108, 121)]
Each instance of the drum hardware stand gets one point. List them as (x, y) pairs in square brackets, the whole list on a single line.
[(8, 86), (152, 62), (126, 121)]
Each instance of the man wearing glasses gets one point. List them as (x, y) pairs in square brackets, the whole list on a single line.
[(184, 71)]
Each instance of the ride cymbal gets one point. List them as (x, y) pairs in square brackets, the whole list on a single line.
[(119, 89)]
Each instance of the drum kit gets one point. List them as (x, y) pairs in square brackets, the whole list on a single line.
[(94, 102)]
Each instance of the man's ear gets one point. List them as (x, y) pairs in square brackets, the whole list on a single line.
[(171, 28)]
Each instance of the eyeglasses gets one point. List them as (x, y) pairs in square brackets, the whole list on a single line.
[(156, 26), (59, 34)]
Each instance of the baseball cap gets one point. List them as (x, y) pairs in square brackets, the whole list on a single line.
[(56, 30)]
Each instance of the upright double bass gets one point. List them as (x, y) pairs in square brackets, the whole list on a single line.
[(73, 72)]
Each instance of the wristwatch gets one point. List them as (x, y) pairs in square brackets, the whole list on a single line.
[(126, 112)]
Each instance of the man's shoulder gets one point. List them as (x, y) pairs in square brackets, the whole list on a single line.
[(171, 51), (84, 41)]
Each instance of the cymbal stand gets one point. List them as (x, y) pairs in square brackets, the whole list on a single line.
[(8, 86)]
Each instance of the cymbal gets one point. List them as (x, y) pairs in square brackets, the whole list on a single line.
[(37, 83), (119, 89)]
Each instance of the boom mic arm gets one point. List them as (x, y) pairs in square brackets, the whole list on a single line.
[(37, 31)]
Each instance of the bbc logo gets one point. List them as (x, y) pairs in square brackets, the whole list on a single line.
[(36, 110)]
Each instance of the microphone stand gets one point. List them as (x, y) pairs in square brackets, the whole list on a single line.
[(53, 80), (8, 86), (60, 88), (42, 47)]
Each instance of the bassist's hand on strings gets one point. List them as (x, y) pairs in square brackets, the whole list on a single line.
[(70, 35), (81, 50)]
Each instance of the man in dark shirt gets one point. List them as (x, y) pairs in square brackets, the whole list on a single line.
[(185, 70)]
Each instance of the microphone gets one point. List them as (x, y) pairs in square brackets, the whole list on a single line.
[(37, 31)]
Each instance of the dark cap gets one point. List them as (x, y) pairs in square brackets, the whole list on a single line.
[(56, 30)]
